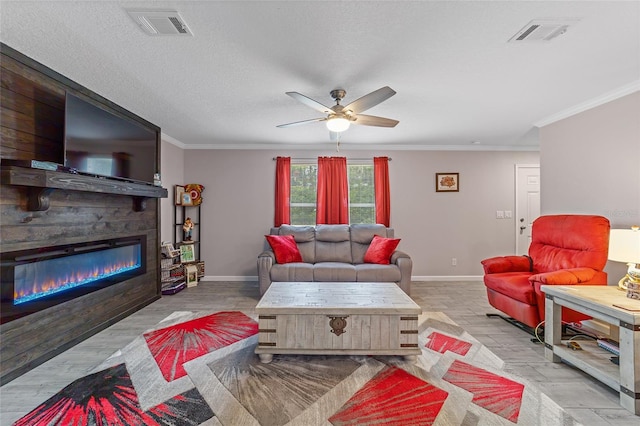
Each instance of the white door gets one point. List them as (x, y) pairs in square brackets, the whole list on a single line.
[(527, 203)]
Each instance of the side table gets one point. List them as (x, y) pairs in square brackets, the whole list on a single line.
[(608, 304)]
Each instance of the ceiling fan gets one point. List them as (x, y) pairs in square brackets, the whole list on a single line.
[(339, 117)]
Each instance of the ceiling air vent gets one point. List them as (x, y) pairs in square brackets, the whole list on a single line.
[(160, 22), (543, 30)]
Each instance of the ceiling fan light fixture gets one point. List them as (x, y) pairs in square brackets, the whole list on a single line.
[(338, 124)]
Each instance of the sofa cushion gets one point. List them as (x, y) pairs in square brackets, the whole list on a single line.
[(361, 236), (305, 239), (291, 272), (380, 250), (333, 233), (285, 248), (334, 271), (515, 285), (377, 273), (333, 243)]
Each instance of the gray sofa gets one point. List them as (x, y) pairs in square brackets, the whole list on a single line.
[(334, 253)]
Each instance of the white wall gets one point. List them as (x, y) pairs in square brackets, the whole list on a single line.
[(590, 163), (238, 210)]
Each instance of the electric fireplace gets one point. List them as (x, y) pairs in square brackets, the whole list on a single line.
[(33, 280)]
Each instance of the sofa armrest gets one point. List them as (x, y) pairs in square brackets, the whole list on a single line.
[(571, 276), (405, 264), (266, 259), (268, 253), (496, 265), (398, 255)]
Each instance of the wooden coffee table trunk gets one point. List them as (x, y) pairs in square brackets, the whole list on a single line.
[(337, 318)]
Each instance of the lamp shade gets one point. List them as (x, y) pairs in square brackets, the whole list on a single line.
[(338, 124), (624, 245)]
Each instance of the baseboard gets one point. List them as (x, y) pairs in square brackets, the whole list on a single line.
[(599, 328), (447, 278), (235, 278), (413, 278)]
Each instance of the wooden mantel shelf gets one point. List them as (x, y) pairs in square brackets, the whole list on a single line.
[(42, 182)]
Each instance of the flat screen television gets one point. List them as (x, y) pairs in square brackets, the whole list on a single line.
[(102, 143)]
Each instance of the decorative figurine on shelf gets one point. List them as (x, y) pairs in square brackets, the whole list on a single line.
[(187, 227)]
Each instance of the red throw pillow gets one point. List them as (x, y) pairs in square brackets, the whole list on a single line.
[(380, 250), (285, 248)]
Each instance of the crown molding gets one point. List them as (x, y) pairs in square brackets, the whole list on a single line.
[(600, 100), (173, 141), (364, 147)]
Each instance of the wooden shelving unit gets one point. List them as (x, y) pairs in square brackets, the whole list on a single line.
[(180, 214)]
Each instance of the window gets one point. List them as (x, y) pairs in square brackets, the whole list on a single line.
[(303, 193), (362, 207)]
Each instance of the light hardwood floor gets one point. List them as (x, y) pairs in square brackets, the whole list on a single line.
[(586, 399)]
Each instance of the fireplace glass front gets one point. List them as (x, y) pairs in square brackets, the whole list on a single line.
[(33, 280)]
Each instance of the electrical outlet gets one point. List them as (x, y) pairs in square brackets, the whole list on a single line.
[(500, 214), (454, 261), (508, 214)]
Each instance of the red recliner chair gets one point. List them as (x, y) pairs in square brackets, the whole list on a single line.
[(564, 250)]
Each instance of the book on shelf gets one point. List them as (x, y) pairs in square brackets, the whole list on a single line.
[(168, 251), (609, 345), (171, 281), (174, 288)]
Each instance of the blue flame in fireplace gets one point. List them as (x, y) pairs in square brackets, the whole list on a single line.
[(44, 278)]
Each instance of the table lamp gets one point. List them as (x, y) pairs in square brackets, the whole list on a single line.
[(624, 246)]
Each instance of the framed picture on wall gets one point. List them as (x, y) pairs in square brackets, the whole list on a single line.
[(177, 196), (447, 182)]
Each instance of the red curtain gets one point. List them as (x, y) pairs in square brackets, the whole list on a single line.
[(283, 191), (381, 186), (333, 191)]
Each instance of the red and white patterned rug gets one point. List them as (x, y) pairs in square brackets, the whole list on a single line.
[(200, 369)]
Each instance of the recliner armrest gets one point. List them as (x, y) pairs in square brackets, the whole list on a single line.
[(571, 276), (496, 265)]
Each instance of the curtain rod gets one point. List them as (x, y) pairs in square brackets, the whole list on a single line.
[(315, 158)]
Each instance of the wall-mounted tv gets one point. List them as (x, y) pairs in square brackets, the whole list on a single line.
[(103, 143)]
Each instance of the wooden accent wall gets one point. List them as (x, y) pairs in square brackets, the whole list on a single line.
[(32, 127)]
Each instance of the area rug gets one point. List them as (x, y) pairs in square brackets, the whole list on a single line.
[(201, 369)]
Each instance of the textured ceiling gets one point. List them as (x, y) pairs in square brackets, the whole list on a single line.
[(457, 78)]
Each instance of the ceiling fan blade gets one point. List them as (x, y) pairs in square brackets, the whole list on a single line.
[(372, 120), (298, 123), (310, 102), (370, 100)]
